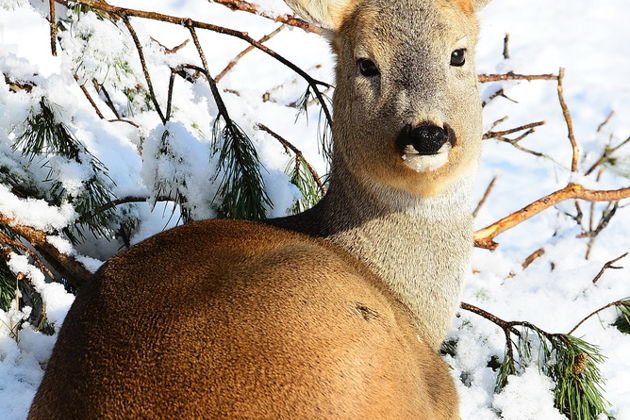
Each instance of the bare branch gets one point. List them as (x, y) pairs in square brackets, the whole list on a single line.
[(255, 9), (609, 265), (495, 134), (89, 98), (485, 78), (298, 154), (485, 195), (243, 53), (567, 117), (610, 305), (484, 238), (533, 257), (53, 27)]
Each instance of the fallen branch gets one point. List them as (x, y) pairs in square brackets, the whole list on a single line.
[(533, 257), (484, 238)]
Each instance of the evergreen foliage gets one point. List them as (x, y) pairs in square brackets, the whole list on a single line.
[(44, 137), (570, 362), (303, 179), (241, 188)]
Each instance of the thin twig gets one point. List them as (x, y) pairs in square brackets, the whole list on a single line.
[(121, 11), (108, 100), (255, 9), (143, 63), (53, 27), (501, 323), (609, 265), (213, 86), (608, 151), (485, 78), (485, 196), (610, 305), (298, 154), (506, 47), (484, 238), (246, 51), (89, 98), (125, 121), (495, 134), (567, 117), (533, 257), (171, 50), (606, 121), (169, 101)]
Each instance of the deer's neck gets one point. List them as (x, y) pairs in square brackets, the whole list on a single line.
[(419, 247)]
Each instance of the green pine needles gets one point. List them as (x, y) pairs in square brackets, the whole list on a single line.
[(43, 136), (241, 187), (302, 177), (572, 363)]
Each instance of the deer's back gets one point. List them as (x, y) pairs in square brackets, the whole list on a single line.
[(223, 319)]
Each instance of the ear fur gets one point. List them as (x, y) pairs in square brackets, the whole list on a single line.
[(480, 4), (471, 6), (327, 14)]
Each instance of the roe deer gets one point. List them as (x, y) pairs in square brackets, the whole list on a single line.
[(338, 312)]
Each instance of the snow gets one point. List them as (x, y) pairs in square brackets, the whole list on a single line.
[(588, 38)]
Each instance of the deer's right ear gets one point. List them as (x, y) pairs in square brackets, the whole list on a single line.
[(480, 4), (327, 14)]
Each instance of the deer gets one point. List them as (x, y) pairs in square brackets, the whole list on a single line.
[(337, 312)]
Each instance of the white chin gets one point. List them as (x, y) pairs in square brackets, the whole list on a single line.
[(424, 163)]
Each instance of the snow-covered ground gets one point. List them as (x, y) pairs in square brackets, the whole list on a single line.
[(589, 39)]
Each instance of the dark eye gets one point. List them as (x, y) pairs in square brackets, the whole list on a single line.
[(458, 57), (367, 67)]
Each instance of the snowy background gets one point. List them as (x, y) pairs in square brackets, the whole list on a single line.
[(589, 39)]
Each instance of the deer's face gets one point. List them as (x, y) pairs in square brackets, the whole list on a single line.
[(407, 108)]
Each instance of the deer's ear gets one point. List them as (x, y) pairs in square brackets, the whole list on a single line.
[(327, 14)]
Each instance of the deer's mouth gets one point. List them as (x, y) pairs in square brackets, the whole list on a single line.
[(423, 159)]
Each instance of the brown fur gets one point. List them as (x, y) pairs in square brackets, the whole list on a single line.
[(334, 313), (225, 319)]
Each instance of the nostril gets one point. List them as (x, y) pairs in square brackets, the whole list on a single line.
[(428, 139)]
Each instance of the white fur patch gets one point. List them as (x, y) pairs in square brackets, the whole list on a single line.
[(422, 163)]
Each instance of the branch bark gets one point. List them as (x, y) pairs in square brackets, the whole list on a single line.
[(484, 238)]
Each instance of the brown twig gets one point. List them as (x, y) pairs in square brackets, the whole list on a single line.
[(53, 28), (610, 305), (606, 121), (125, 200), (143, 63), (16, 86), (213, 85), (485, 314), (171, 50), (243, 53), (495, 134), (125, 121), (485, 196), (533, 257), (121, 11), (298, 154), (89, 98), (485, 78), (73, 271), (567, 117), (608, 151), (484, 238), (108, 100), (609, 265), (255, 9), (506, 47)]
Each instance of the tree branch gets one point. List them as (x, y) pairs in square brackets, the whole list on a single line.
[(484, 238), (567, 117)]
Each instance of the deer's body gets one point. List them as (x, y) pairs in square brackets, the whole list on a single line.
[(334, 313)]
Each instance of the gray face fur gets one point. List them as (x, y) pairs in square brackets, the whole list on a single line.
[(411, 42)]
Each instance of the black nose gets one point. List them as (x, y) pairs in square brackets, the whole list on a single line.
[(426, 139)]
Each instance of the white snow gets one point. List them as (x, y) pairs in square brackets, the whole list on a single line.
[(589, 39)]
